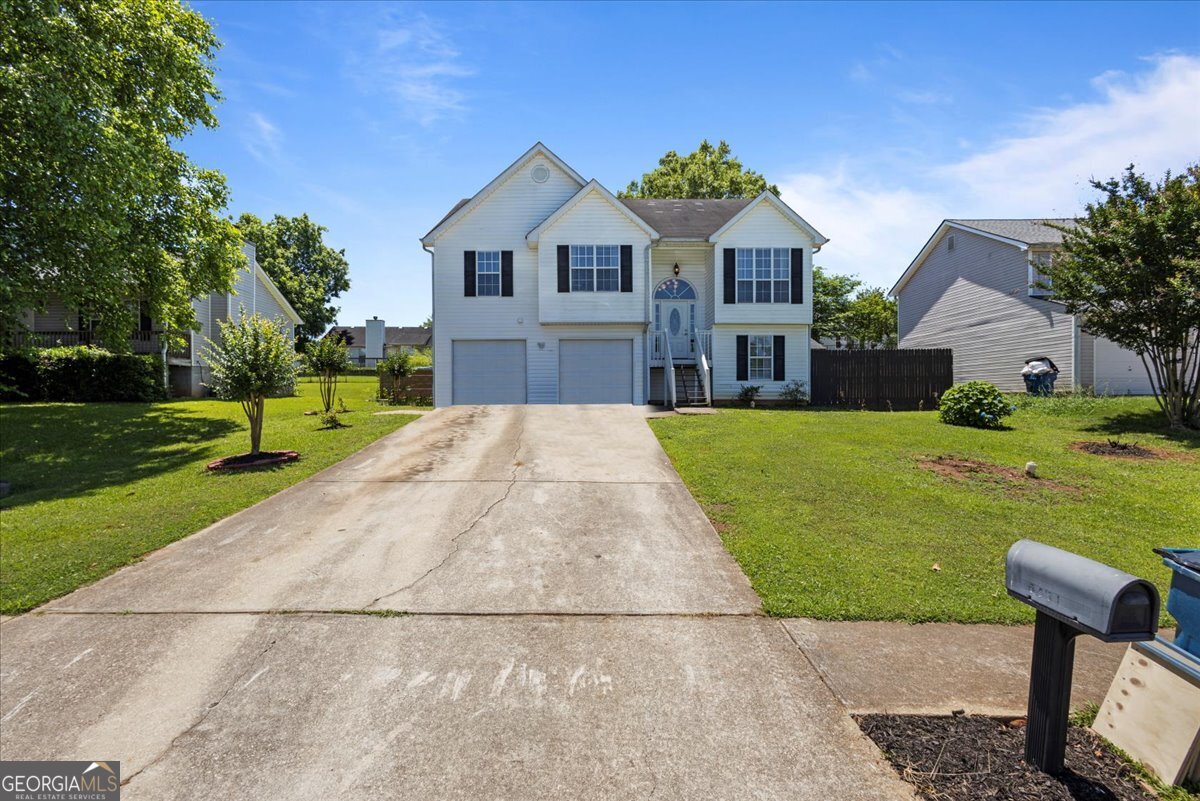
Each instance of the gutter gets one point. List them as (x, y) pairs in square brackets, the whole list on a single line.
[(432, 317)]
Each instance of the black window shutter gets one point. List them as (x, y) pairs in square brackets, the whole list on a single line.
[(777, 357), (506, 273), (626, 268), (469, 274), (797, 276), (731, 278), (564, 268), (743, 357)]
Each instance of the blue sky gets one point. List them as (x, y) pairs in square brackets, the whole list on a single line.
[(877, 120)]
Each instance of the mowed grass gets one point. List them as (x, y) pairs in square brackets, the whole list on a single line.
[(97, 486), (832, 516)]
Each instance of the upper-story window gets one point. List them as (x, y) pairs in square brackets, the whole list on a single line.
[(487, 272), (763, 275), (595, 268), (1038, 261)]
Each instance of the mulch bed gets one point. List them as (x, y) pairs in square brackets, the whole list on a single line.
[(246, 460), (972, 758), (1129, 450), (1000, 477)]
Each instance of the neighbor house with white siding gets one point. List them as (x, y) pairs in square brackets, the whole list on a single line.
[(253, 292), (974, 288), (549, 289)]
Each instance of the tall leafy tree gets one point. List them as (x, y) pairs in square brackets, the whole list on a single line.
[(870, 319), (97, 206), (1131, 268), (831, 297), (707, 172), (309, 273)]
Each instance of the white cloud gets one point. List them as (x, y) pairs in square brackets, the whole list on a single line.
[(414, 62), (877, 226), (262, 139)]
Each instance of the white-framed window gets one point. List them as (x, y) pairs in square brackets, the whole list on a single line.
[(764, 275), (487, 272), (762, 358), (595, 268), (1038, 260)]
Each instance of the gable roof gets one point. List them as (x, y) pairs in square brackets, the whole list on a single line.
[(1021, 233), (685, 219), (392, 335), (592, 186), (769, 197), (465, 207)]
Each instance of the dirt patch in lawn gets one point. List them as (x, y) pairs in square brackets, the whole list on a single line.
[(994, 475), (969, 758)]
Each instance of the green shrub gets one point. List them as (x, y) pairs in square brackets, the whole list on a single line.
[(421, 357), (397, 365), (82, 375), (748, 393), (794, 393), (976, 403)]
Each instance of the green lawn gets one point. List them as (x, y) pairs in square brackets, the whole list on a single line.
[(96, 486), (831, 515)]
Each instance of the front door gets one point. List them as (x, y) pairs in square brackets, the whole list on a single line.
[(679, 321)]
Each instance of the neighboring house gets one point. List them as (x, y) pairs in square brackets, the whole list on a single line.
[(253, 291), (971, 289), (548, 289), (369, 344)]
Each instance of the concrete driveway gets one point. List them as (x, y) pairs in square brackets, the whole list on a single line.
[(573, 628)]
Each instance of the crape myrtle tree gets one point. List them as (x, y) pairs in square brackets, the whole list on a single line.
[(1130, 267), (327, 358), (98, 207), (254, 360)]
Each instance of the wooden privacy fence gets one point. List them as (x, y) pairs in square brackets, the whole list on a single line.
[(879, 379), (419, 384)]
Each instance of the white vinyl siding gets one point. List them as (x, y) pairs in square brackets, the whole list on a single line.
[(796, 358), (764, 225), (975, 300), (487, 273)]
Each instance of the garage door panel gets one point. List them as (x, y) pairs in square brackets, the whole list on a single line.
[(489, 371), (595, 371), (1119, 371)]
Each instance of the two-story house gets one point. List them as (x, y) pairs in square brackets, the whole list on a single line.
[(975, 287), (253, 292), (549, 289)]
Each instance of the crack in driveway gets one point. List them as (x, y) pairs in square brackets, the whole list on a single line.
[(512, 481)]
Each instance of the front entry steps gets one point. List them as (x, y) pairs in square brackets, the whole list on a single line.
[(689, 391)]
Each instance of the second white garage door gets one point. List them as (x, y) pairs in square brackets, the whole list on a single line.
[(595, 371), (489, 371)]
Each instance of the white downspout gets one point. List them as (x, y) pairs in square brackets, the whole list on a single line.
[(433, 318)]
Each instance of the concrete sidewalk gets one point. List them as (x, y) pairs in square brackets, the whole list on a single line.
[(573, 628)]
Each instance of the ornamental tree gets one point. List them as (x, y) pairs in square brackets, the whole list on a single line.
[(1130, 267), (327, 357), (99, 207), (253, 360), (707, 172)]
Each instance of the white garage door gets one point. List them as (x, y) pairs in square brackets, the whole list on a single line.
[(595, 371), (489, 371), (1119, 371)]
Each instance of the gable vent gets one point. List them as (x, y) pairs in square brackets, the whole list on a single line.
[(540, 174), (950, 242)]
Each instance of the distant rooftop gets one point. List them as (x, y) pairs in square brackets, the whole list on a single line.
[(392, 334), (1031, 232)]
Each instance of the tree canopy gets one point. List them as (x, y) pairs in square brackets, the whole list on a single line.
[(831, 298), (97, 208), (309, 273), (1130, 267), (253, 359), (707, 172)]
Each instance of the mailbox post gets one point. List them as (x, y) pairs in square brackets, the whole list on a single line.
[(1073, 595)]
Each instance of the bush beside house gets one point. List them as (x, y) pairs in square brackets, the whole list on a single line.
[(81, 375)]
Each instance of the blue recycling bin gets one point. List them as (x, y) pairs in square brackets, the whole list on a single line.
[(1183, 599)]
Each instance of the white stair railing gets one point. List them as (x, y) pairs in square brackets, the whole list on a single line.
[(705, 377), (704, 341), (668, 371)]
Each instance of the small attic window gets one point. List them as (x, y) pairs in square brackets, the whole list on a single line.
[(950, 243), (540, 174)]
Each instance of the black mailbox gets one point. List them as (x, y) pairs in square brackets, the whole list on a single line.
[(1102, 601), (1073, 595)]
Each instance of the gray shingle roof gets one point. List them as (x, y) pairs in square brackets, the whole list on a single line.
[(1031, 232), (392, 335), (686, 219)]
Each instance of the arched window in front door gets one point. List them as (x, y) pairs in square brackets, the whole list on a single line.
[(675, 289)]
